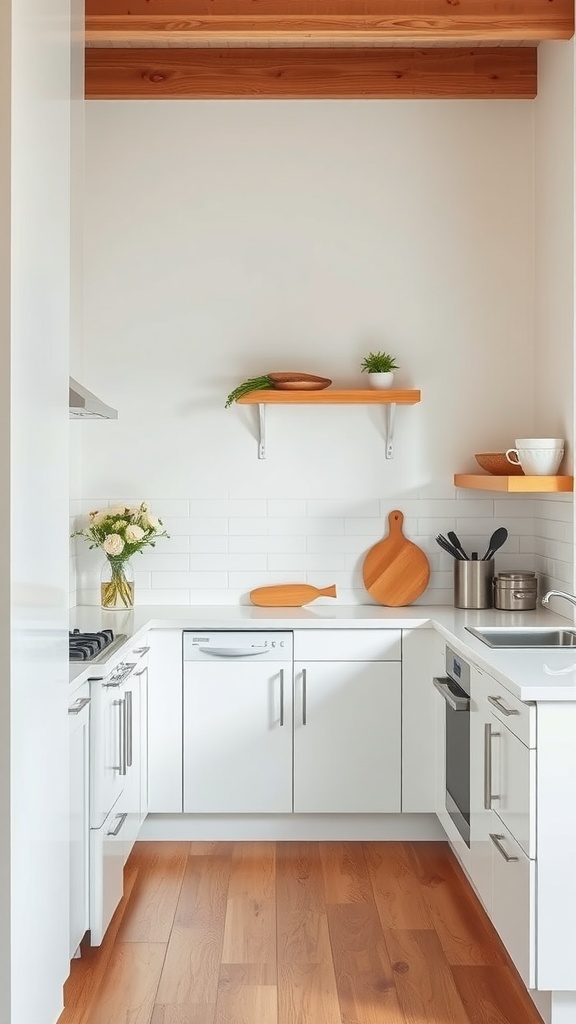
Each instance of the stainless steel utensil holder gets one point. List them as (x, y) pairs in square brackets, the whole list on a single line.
[(473, 583)]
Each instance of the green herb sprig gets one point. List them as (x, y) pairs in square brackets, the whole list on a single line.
[(263, 383)]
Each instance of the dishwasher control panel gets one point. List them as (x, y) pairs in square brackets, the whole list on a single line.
[(262, 645)]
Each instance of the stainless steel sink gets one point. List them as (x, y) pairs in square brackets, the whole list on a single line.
[(528, 637)]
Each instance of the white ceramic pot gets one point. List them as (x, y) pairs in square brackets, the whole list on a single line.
[(381, 380)]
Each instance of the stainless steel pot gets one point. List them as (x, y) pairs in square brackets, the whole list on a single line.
[(516, 591)]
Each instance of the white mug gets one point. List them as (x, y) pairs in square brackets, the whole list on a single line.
[(536, 461)]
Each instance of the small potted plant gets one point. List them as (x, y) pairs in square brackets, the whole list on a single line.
[(380, 369)]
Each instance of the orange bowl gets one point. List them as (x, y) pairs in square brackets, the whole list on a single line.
[(497, 464)]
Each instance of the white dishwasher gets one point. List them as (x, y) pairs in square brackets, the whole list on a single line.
[(238, 722)]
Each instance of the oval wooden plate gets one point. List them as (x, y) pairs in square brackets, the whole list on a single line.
[(395, 571), (302, 385)]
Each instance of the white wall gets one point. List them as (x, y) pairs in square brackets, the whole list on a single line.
[(34, 680), (554, 112), (226, 239)]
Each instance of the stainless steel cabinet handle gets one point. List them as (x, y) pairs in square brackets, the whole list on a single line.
[(497, 840), (122, 737), (121, 820), (281, 696), (304, 699), (78, 705), (141, 672), (129, 720), (497, 702), (455, 702), (489, 796), (141, 650)]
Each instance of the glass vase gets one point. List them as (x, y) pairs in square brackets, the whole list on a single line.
[(117, 584)]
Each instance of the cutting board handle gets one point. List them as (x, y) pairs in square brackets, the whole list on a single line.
[(328, 592), (395, 521)]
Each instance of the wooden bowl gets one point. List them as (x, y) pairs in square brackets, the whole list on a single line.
[(497, 464), (302, 385)]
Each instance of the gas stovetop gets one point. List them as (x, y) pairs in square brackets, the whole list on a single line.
[(93, 646)]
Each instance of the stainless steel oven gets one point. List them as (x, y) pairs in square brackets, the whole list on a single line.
[(455, 689)]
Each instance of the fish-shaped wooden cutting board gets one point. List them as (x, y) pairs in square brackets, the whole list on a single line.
[(395, 571), (289, 595)]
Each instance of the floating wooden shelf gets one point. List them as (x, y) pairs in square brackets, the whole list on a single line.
[(332, 396), (390, 397), (515, 484)]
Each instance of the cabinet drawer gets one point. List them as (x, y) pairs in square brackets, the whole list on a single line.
[(513, 902), (518, 717), (347, 645), (514, 785)]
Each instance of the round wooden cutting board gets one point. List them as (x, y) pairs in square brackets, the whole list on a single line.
[(395, 571)]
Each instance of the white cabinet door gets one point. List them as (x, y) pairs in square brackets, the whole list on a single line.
[(514, 899), (142, 676), (107, 848), (165, 721), (481, 785), (237, 738), (79, 721), (347, 737)]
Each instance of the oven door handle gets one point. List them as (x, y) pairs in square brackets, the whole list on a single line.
[(455, 702)]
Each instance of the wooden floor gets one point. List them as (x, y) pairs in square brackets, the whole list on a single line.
[(296, 933)]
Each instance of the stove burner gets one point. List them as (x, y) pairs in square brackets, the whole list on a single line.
[(85, 646)]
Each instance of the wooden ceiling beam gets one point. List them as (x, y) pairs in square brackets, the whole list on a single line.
[(436, 73), (205, 23)]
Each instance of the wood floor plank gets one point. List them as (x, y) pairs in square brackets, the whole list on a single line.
[(192, 965), (465, 933), (345, 871), (250, 927), (199, 1014), (247, 993), (364, 978), (397, 892), (493, 995), (302, 921), (423, 979), (129, 987), (307, 994), (150, 912)]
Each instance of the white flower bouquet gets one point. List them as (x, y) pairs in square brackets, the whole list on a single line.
[(120, 532)]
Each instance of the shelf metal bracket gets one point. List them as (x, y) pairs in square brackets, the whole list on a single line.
[(390, 422), (262, 429)]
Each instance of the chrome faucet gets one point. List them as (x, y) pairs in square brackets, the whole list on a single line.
[(558, 593)]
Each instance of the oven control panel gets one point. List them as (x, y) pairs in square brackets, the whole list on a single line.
[(458, 669)]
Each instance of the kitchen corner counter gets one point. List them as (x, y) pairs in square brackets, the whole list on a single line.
[(544, 675)]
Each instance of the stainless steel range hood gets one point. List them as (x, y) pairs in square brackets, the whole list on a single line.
[(84, 405)]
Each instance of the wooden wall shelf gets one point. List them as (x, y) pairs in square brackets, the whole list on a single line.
[(390, 398), (515, 484), (332, 396)]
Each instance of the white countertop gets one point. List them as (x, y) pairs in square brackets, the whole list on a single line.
[(530, 675)]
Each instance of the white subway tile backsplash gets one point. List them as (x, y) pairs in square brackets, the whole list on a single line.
[(287, 507), (267, 545), (221, 548), (361, 509), (187, 580), (309, 527)]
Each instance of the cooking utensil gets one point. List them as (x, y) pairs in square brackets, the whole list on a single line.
[(289, 595), (447, 546), (454, 539), (395, 571), (496, 541)]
